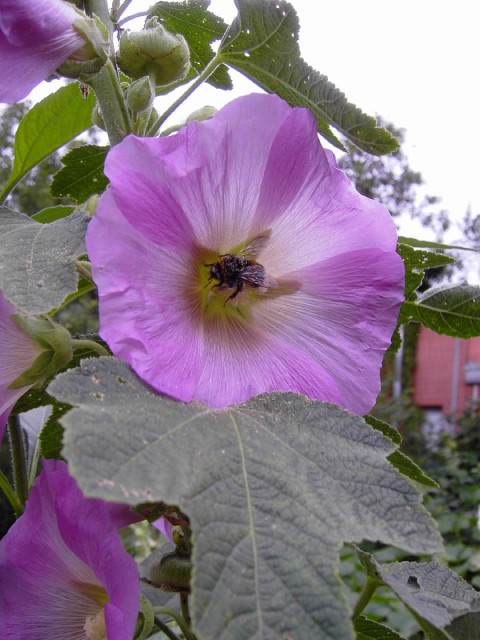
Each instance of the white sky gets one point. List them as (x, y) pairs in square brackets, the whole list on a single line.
[(415, 62)]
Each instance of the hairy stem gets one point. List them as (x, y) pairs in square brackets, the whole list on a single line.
[(164, 628), (19, 459), (10, 494), (140, 14), (100, 9), (368, 591), (119, 8), (206, 73), (184, 628), (89, 344), (112, 103)]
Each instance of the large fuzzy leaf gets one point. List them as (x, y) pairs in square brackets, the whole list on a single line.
[(446, 607), (262, 43), (273, 487), (37, 261)]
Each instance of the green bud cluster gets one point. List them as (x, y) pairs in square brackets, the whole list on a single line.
[(154, 51)]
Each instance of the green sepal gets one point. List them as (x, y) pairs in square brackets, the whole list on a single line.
[(140, 95), (91, 58), (56, 343)]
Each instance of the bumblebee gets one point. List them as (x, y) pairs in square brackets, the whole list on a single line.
[(240, 270)]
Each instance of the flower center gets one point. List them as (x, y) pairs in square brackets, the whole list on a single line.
[(229, 284)]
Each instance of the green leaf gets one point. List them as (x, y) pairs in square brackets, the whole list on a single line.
[(272, 488), (262, 43), (82, 176), (452, 310), (433, 592), (50, 214), (466, 626), (369, 630), (51, 437), (385, 428), (37, 261), (200, 28), (413, 242), (416, 262), (408, 468), (51, 123), (399, 460)]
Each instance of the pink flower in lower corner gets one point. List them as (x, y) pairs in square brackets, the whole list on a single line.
[(64, 574), (36, 37), (17, 354), (235, 258)]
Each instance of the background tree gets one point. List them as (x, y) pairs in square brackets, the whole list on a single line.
[(392, 181)]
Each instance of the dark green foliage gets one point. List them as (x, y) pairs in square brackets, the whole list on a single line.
[(262, 43), (46, 127), (392, 181), (452, 310), (82, 174), (33, 192), (455, 464)]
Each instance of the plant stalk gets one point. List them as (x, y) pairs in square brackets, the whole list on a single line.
[(91, 345), (10, 494), (206, 73), (368, 591), (178, 619), (100, 9), (112, 103), (19, 459), (164, 628)]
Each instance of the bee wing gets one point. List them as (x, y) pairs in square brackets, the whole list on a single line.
[(254, 274), (254, 246)]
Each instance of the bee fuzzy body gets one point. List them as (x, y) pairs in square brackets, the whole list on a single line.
[(234, 272)]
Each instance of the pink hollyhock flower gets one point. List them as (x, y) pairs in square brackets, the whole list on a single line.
[(17, 354), (235, 258), (35, 39), (63, 570)]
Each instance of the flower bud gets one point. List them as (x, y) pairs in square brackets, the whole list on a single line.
[(56, 343), (172, 573), (140, 95), (154, 51), (204, 113), (97, 117), (90, 58), (145, 619)]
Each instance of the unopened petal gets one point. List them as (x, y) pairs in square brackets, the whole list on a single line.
[(35, 39)]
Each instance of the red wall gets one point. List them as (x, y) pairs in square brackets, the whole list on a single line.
[(435, 366)]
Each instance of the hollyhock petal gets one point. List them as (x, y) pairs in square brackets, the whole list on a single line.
[(35, 39), (165, 308), (64, 564), (313, 313), (18, 353), (343, 317), (244, 361)]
